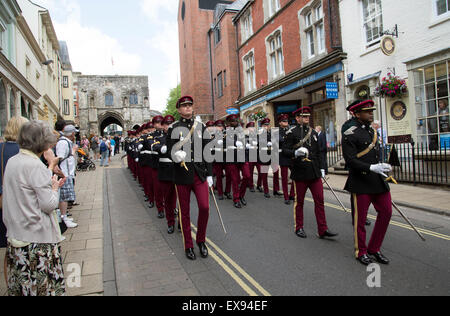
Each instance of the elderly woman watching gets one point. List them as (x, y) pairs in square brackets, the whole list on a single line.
[(30, 197)]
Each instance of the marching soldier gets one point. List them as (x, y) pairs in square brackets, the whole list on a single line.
[(219, 167), (285, 162), (302, 146), (267, 148), (252, 140), (153, 141), (366, 183), (145, 161), (236, 162), (165, 175), (191, 173)]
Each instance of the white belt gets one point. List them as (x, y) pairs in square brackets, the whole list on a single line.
[(148, 152), (165, 160)]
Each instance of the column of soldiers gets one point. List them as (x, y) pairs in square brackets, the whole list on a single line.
[(172, 159)]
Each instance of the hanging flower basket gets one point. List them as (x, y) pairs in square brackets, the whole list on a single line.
[(258, 116), (391, 86)]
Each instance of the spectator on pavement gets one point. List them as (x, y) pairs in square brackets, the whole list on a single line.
[(113, 146), (65, 151), (104, 152), (34, 262), (7, 150), (95, 146)]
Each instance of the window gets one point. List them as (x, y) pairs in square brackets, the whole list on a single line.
[(442, 6), (274, 6), (431, 89), (133, 98), (65, 81), (314, 31), (109, 99), (276, 55), (220, 84), (372, 20), (247, 27), (249, 69), (66, 107), (217, 35)]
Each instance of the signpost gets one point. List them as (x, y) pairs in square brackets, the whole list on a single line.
[(332, 90)]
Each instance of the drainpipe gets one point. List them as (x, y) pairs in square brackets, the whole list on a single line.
[(238, 61), (211, 72), (331, 27)]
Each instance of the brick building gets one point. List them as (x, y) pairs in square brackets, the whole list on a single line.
[(269, 55)]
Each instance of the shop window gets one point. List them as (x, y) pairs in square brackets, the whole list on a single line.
[(431, 89)]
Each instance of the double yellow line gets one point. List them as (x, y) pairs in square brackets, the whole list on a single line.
[(245, 281), (395, 223)]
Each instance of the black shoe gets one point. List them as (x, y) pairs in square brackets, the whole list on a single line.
[(259, 189), (221, 198), (287, 202), (292, 198), (267, 195), (228, 196), (190, 254), (252, 190), (237, 205), (160, 214), (301, 233), (379, 257), (171, 230), (151, 205), (328, 233), (365, 260), (146, 199), (203, 250), (276, 193), (368, 222), (243, 202)]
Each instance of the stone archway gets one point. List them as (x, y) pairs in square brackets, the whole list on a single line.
[(109, 118)]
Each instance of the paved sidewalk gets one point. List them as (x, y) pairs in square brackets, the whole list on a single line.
[(84, 245)]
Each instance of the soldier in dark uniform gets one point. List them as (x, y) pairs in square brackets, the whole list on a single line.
[(219, 166), (165, 175), (307, 172), (285, 162), (266, 148), (366, 183), (145, 161), (235, 160), (155, 140), (191, 173), (252, 163)]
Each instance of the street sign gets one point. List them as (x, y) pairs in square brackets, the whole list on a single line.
[(232, 111), (332, 90)]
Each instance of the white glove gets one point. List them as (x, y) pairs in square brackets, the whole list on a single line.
[(137, 159), (220, 142), (163, 149), (302, 152), (323, 173), (248, 146), (140, 146), (198, 119), (255, 143), (269, 144), (210, 181), (179, 156), (239, 144), (381, 169)]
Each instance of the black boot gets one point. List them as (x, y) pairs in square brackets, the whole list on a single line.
[(190, 254), (203, 250)]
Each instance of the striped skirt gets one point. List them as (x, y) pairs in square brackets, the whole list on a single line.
[(35, 270)]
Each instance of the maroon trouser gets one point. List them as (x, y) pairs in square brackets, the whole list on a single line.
[(276, 179), (251, 166), (148, 183), (157, 190), (200, 190), (316, 188), (285, 183), (218, 171), (169, 201), (383, 205), (239, 186), (262, 177)]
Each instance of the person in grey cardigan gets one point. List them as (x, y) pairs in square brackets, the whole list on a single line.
[(30, 197)]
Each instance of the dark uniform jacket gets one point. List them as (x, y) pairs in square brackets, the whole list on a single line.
[(233, 154), (145, 156), (264, 151), (302, 169), (165, 166), (285, 161), (202, 169), (155, 139), (361, 180)]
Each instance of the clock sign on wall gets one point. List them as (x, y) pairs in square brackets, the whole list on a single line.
[(388, 45), (398, 110)]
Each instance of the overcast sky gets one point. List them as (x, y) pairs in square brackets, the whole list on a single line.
[(139, 36)]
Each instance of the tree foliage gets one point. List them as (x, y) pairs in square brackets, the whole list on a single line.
[(171, 106)]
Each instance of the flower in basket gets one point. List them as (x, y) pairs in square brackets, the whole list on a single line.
[(258, 116), (391, 86)]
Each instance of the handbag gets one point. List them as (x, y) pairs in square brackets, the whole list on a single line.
[(1, 196)]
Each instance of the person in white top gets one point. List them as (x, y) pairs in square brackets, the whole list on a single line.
[(65, 151)]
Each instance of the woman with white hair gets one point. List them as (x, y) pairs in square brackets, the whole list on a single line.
[(30, 197)]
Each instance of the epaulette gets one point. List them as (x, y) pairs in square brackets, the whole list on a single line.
[(350, 131), (290, 130)]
